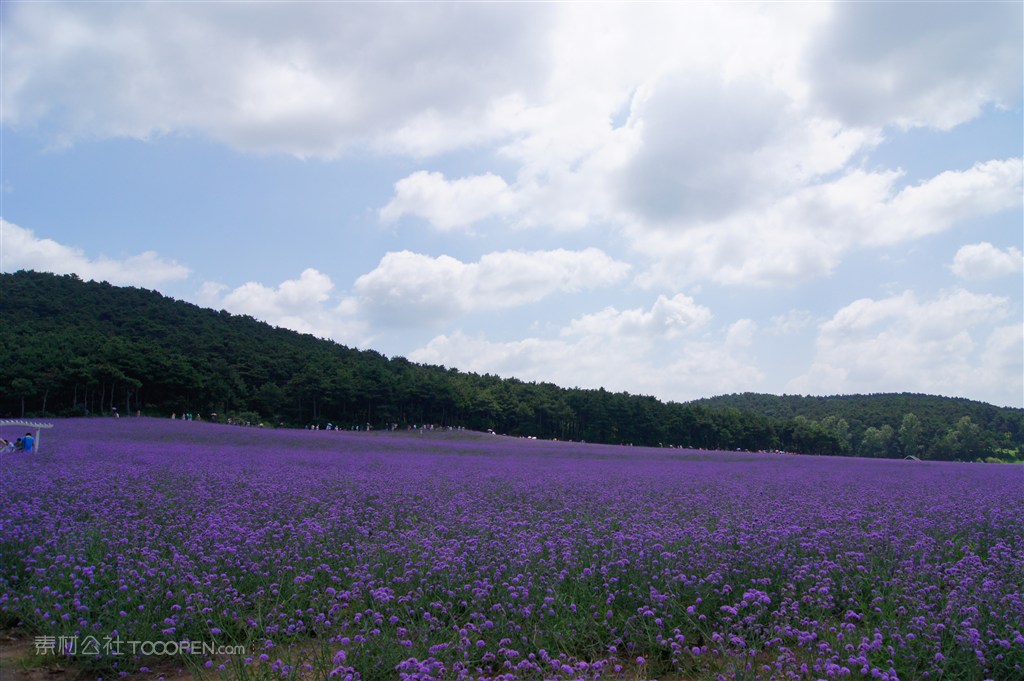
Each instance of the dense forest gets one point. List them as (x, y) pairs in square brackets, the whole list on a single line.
[(75, 348)]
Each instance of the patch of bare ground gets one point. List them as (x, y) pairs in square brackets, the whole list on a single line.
[(20, 661)]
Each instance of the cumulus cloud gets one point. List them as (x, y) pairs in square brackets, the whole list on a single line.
[(690, 142), (723, 166), (448, 204), (916, 64), (710, 146), (23, 250), (667, 318), (305, 81), (741, 333), (714, 131), (806, 233), (935, 205), (708, 142), (308, 304), (955, 344), (985, 261), (664, 350), (291, 298), (411, 288)]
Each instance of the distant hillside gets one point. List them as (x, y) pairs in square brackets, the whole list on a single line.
[(886, 412), (874, 409), (69, 347)]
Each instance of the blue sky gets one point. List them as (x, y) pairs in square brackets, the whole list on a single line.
[(679, 200)]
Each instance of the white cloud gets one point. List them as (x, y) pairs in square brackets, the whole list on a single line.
[(709, 147), (310, 80), (664, 351), (916, 64), (711, 142), (794, 321), (448, 204), (292, 298), (937, 204), (23, 250), (985, 261), (411, 288), (741, 333), (725, 168), (430, 132), (667, 318), (308, 304), (710, 129), (1003, 361), (316, 79), (695, 140), (902, 344), (806, 233)]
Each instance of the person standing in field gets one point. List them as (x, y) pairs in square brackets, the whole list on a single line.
[(28, 442)]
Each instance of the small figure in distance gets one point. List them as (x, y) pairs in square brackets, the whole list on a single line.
[(6, 446), (28, 442)]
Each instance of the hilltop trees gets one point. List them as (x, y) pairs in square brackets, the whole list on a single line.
[(897, 425), (963, 441), (876, 442), (910, 433), (69, 347)]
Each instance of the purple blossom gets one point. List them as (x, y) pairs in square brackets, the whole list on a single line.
[(424, 549)]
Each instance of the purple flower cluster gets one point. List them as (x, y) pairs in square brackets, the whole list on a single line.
[(456, 555)]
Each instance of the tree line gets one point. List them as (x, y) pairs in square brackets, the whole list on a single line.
[(74, 348)]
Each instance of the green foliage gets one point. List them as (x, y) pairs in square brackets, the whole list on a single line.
[(898, 425), (910, 435), (876, 442), (74, 348)]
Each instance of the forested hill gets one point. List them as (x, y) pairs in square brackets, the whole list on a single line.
[(862, 411), (876, 421), (69, 347)]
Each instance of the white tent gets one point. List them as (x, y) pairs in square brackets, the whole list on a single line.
[(29, 424)]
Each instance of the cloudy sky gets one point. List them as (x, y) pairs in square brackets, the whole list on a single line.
[(679, 200)]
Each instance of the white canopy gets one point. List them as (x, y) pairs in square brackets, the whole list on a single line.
[(38, 425)]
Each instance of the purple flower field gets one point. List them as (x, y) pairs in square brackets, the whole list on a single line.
[(459, 555)]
